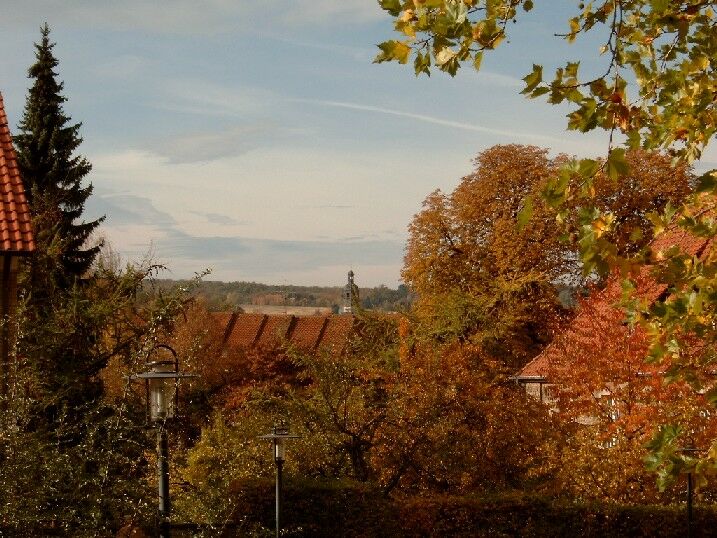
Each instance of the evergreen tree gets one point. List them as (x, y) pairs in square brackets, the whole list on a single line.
[(52, 173)]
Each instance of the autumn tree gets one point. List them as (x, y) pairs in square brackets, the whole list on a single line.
[(611, 404), (481, 278), (656, 90), (458, 424), (336, 399)]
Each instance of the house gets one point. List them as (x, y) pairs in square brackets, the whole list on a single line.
[(16, 237), (535, 376), (306, 333)]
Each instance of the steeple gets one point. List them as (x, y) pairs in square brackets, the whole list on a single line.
[(350, 296)]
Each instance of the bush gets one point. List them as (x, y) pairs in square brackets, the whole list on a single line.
[(349, 509)]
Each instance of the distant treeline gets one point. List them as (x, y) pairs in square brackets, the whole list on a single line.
[(221, 296)]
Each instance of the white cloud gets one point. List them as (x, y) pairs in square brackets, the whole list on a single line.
[(283, 192), (207, 99), (209, 146), (487, 78)]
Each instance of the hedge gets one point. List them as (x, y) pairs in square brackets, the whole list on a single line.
[(338, 508)]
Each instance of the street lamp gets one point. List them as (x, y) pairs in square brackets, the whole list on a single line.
[(278, 438), (689, 449), (161, 385)]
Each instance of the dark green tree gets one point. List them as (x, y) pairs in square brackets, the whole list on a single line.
[(52, 173)]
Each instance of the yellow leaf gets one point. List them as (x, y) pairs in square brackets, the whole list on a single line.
[(406, 16), (444, 56), (702, 62)]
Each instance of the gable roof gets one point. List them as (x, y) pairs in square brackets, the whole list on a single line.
[(647, 288), (15, 229), (308, 333)]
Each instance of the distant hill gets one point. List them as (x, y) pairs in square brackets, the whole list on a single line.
[(222, 296)]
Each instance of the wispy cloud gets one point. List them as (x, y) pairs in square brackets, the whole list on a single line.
[(189, 17), (207, 99), (488, 78), (266, 256), (360, 54), (135, 227), (221, 219), (210, 146), (123, 209), (123, 67), (333, 11), (331, 206), (434, 120)]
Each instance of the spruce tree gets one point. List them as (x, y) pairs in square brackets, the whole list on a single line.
[(51, 171)]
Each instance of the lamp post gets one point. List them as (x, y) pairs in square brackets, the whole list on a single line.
[(278, 437), (161, 384), (689, 449)]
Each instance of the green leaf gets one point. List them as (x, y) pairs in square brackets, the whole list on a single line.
[(533, 79), (393, 50), (588, 167), (428, 4), (616, 164), (477, 59), (422, 64), (456, 11), (392, 6), (525, 213), (707, 182), (659, 6), (537, 92)]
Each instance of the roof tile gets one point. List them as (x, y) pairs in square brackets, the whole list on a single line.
[(647, 288), (15, 217), (246, 331), (303, 332)]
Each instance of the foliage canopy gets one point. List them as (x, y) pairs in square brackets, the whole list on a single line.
[(656, 93)]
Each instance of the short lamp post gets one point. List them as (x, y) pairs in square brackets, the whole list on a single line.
[(161, 385), (690, 449), (278, 438)]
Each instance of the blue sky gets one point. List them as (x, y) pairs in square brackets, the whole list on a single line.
[(256, 137)]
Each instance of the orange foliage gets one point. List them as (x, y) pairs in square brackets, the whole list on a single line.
[(480, 279), (227, 373), (613, 401), (458, 424)]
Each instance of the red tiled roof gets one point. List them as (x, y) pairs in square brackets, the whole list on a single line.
[(647, 288), (337, 331), (275, 330), (246, 331), (226, 321), (303, 332), (307, 331), (15, 229)]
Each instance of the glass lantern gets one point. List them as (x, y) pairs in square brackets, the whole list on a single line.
[(278, 437), (162, 391), (161, 384)]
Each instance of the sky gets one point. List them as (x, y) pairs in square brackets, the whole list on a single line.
[(257, 139)]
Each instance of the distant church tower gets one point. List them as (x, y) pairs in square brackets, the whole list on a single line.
[(351, 296)]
